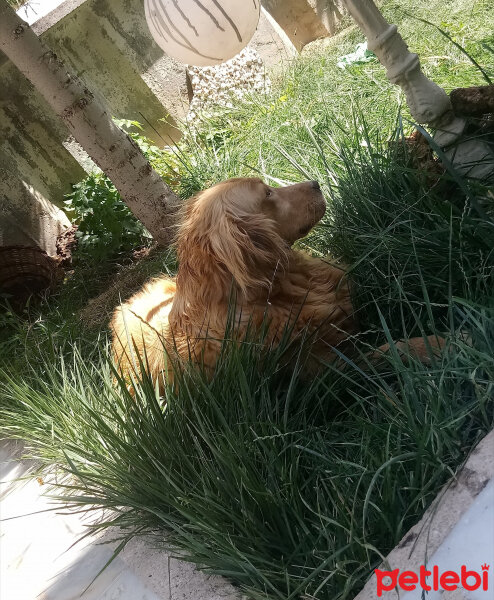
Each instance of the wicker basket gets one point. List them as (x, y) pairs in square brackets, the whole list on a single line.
[(26, 271)]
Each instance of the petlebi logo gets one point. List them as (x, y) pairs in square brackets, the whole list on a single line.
[(433, 579)]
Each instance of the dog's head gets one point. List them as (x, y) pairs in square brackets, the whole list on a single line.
[(244, 228)]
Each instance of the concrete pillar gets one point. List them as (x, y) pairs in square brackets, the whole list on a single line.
[(302, 20), (428, 103), (109, 47)]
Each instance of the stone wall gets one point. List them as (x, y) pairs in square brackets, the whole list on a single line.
[(107, 43)]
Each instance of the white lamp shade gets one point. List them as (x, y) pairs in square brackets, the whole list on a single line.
[(202, 32)]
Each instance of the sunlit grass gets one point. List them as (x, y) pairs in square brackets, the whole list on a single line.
[(289, 488), (294, 488)]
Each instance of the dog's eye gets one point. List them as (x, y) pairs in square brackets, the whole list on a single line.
[(268, 193)]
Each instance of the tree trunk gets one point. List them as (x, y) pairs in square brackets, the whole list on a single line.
[(87, 118)]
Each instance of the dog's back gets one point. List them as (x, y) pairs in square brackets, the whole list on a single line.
[(140, 327)]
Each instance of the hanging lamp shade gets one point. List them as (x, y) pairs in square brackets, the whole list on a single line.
[(202, 32)]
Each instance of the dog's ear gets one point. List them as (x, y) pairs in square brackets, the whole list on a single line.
[(220, 239), (250, 249)]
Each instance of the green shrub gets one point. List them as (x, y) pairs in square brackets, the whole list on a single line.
[(106, 227)]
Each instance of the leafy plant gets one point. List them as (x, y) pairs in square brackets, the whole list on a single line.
[(106, 227), (164, 160)]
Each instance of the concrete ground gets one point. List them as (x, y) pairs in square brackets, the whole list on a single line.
[(38, 559), (34, 10)]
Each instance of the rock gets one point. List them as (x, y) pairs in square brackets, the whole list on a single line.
[(473, 101), (216, 87), (66, 244)]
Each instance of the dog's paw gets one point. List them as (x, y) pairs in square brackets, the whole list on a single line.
[(423, 349)]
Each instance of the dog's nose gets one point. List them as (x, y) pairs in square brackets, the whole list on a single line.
[(315, 185)]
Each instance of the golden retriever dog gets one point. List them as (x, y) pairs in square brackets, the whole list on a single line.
[(236, 241)]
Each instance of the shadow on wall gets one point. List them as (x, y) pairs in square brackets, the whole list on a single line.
[(331, 14), (298, 19), (34, 221), (306, 20)]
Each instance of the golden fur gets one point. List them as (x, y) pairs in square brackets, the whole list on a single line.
[(236, 237)]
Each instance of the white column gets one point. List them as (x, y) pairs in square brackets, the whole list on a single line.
[(427, 102)]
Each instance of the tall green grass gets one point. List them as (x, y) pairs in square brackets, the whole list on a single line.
[(290, 489), (411, 232), (294, 488)]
